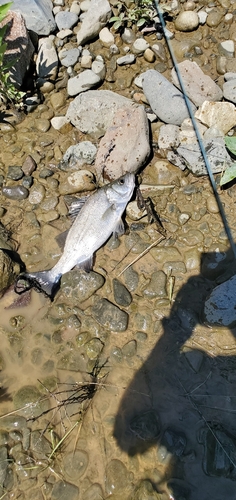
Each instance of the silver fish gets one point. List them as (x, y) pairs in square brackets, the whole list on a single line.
[(99, 217)]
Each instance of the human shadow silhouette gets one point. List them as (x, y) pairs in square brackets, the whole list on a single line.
[(188, 415)]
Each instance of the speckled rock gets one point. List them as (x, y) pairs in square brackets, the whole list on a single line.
[(37, 194), (127, 133), (219, 308), (110, 316), (47, 60), (76, 182), (156, 286), (222, 113), (82, 82), (81, 285), (121, 295), (15, 192), (78, 155), (30, 394), (159, 91), (199, 87)]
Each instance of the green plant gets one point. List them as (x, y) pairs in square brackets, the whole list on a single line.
[(143, 12), (7, 89), (230, 172)]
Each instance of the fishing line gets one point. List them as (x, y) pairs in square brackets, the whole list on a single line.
[(200, 142)]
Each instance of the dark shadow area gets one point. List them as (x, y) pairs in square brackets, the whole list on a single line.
[(182, 402)]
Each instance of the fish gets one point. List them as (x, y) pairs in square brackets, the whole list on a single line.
[(98, 218)]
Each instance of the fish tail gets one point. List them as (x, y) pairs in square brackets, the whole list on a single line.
[(42, 281)]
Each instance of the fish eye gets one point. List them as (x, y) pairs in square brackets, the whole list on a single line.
[(121, 181)]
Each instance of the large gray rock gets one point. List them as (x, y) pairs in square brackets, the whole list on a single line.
[(198, 86), (125, 146), (92, 112), (94, 20), (216, 152), (220, 306), (37, 14), (165, 99), (19, 47)]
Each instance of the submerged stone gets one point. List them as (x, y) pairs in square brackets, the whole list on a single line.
[(121, 294), (110, 316), (146, 425), (81, 285)]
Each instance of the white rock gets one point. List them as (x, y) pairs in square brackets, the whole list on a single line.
[(164, 98), (85, 5), (187, 133), (95, 19), (86, 61), (202, 16), (216, 153), (229, 90), (198, 86), (168, 137), (134, 212), (82, 180), (187, 21), (106, 37), (128, 59), (99, 67), (125, 144), (139, 46), (37, 15), (64, 33), (227, 48), (93, 112), (75, 7), (221, 114), (58, 122), (80, 154), (65, 19), (229, 76), (213, 132), (82, 82), (47, 60), (220, 306), (139, 81)]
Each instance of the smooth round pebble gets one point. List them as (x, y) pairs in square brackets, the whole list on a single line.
[(15, 192), (37, 194), (187, 21), (212, 205)]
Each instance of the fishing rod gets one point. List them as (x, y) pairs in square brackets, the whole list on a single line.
[(200, 141)]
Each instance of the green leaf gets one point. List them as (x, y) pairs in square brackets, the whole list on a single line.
[(4, 9), (228, 175), (113, 19), (231, 144), (141, 22), (117, 25)]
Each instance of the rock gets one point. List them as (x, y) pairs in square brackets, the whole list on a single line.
[(146, 425), (127, 133), (221, 113), (84, 112), (95, 19), (168, 136), (128, 36), (110, 316), (38, 15), (219, 451), (216, 152), (219, 308), (29, 165), (64, 491), (8, 271), (15, 192), (106, 37), (175, 442), (29, 401), (157, 286), (14, 173), (159, 51), (65, 19), (187, 133), (145, 491), (61, 123), (78, 155), (69, 57), (47, 61), (187, 21), (82, 82), (166, 101), (131, 279), (139, 46), (77, 182), (198, 86), (19, 47), (229, 90), (226, 48), (121, 295), (134, 212), (74, 464), (117, 478), (98, 67), (128, 59)]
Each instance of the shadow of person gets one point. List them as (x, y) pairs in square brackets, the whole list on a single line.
[(182, 401)]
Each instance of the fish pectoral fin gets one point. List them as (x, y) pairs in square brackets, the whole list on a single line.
[(76, 205), (119, 229), (61, 239), (86, 264)]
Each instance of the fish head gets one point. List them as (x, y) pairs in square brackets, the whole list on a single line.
[(121, 190)]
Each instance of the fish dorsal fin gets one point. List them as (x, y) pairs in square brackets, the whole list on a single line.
[(119, 229)]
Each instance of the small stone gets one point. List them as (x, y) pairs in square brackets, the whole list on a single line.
[(15, 173), (64, 491), (29, 401), (65, 19), (99, 68), (110, 316), (222, 113), (106, 37), (82, 82), (121, 295), (42, 125), (149, 55), (29, 165), (80, 285), (69, 57), (157, 286), (219, 308), (58, 100), (131, 279), (74, 464), (139, 46), (226, 48), (229, 90), (128, 59), (82, 180), (212, 205), (146, 425), (86, 61), (129, 349), (37, 194), (175, 442), (128, 36), (15, 192), (187, 21)]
